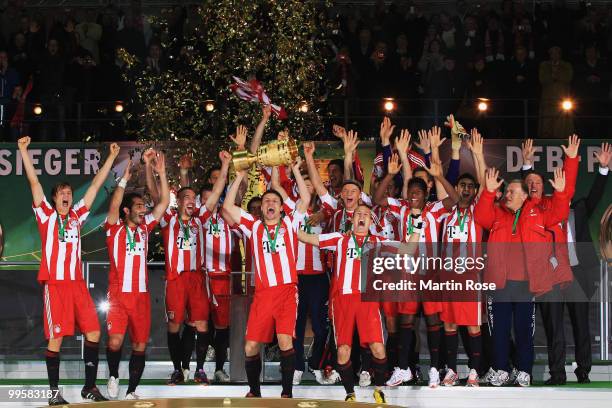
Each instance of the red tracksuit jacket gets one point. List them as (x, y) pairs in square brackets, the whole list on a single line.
[(531, 227)]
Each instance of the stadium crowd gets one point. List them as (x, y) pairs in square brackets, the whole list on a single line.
[(508, 52)]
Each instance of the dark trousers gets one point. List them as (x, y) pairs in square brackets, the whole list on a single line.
[(313, 293), (511, 309), (552, 318)]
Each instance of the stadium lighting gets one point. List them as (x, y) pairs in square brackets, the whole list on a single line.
[(303, 107), (119, 107), (209, 105), (567, 105), (483, 105), (37, 109), (104, 306), (388, 105)]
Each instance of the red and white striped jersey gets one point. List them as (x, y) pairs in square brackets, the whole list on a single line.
[(347, 248), (386, 223), (274, 249), (183, 242), (286, 181), (459, 229), (341, 218), (61, 252), (128, 262), (308, 256), (219, 244), (430, 217), (414, 158)]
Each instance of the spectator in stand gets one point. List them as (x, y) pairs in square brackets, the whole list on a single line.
[(109, 40), (416, 26), (360, 56), (35, 39), (449, 33), (9, 22), (90, 33), (555, 79), (379, 73), (66, 36), (591, 87), (522, 34), (480, 84), (431, 61), (19, 58), (446, 85), (50, 90), (473, 42), (520, 82), (494, 40), (154, 61), (9, 79), (130, 34)]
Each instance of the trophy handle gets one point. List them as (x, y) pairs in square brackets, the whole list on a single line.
[(243, 160)]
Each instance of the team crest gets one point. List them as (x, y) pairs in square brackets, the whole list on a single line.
[(281, 231), (57, 328), (194, 230), (74, 223), (142, 235)]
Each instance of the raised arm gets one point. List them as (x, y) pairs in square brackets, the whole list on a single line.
[(446, 192), (239, 138), (599, 185), (475, 145), (219, 185), (392, 170), (147, 158), (350, 146), (232, 211), (259, 131), (312, 239), (401, 144), (484, 212), (100, 178), (35, 186), (436, 140), (276, 185), (301, 185), (159, 165), (559, 210), (185, 164), (313, 172), (114, 209)]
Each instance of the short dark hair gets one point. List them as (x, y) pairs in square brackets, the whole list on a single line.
[(57, 187), (272, 191), (468, 176), (253, 201), (422, 169), (213, 168), (204, 188), (183, 189), (352, 182), (418, 182), (530, 172), (128, 202), (337, 162)]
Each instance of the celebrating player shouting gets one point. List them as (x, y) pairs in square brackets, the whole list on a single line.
[(65, 296), (348, 309), (185, 287), (273, 242), (127, 234)]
